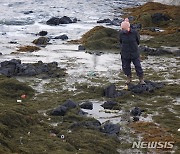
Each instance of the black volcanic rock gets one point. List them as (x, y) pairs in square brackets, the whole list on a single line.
[(63, 20), (87, 105), (14, 67), (109, 105)]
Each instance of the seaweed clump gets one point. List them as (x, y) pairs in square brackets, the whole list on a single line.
[(12, 88), (100, 38)]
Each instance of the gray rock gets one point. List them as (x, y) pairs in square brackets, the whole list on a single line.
[(64, 20), (14, 67), (41, 41), (81, 47), (69, 104), (109, 105), (136, 111), (28, 12), (91, 124), (135, 119), (42, 33), (104, 21), (111, 92), (82, 113), (148, 87), (158, 17), (62, 37), (59, 111), (110, 128), (87, 105)]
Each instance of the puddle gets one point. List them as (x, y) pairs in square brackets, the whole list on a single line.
[(103, 115)]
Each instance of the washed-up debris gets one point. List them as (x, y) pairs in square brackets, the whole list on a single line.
[(23, 96), (62, 136), (19, 101)]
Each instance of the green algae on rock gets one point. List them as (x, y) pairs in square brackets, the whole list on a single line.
[(101, 38), (27, 48), (12, 88)]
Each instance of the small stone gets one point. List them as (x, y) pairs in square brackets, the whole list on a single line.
[(135, 119), (81, 47)]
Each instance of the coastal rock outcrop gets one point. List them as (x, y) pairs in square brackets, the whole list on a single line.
[(109, 105), (63, 20), (14, 67), (87, 105), (41, 41), (148, 87), (62, 109)]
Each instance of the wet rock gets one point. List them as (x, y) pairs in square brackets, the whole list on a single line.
[(109, 105), (59, 111), (18, 22), (74, 20), (136, 26), (42, 33), (96, 39), (41, 41), (82, 113), (87, 105), (69, 104), (116, 22), (13, 42), (28, 12), (97, 53), (62, 37), (111, 92), (14, 67), (148, 87), (158, 51), (64, 20), (81, 47), (104, 21), (136, 111), (110, 128), (91, 124), (135, 119), (53, 21), (158, 17)]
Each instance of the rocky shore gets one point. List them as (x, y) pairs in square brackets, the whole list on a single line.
[(79, 103)]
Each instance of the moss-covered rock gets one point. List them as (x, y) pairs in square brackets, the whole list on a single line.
[(28, 48), (12, 88), (145, 14), (100, 38)]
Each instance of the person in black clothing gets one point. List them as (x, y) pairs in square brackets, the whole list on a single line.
[(129, 41)]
